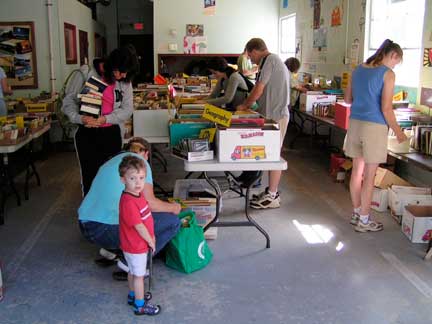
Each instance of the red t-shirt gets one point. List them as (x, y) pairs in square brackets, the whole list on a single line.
[(133, 211)]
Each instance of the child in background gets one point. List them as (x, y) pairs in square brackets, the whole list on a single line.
[(136, 232)]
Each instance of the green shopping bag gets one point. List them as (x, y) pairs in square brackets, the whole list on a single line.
[(188, 251)]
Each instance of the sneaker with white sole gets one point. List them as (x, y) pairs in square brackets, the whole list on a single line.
[(355, 218), (266, 201), (370, 226), (260, 195)]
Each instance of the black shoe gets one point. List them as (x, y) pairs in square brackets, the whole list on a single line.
[(103, 262), (120, 275)]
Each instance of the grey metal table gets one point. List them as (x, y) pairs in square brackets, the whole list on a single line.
[(214, 166)]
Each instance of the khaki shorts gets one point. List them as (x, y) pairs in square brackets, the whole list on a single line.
[(367, 140), (283, 125)]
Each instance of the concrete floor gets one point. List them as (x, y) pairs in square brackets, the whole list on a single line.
[(50, 276)]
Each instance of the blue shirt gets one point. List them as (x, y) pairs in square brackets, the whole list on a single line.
[(367, 85), (101, 204)]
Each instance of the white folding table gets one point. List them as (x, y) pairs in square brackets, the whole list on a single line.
[(214, 166)]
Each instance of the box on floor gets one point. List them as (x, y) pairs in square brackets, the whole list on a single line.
[(379, 199), (401, 196), (384, 179), (416, 222)]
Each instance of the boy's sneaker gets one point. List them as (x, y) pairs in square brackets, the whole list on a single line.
[(369, 227), (266, 201), (147, 309), (355, 218)]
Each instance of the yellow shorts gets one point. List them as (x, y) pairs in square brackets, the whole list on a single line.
[(367, 140)]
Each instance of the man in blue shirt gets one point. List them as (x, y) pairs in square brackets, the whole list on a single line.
[(99, 211)]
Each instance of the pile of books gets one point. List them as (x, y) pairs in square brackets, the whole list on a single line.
[(193, 149), (422, 138), (91, 97), (247, 119)]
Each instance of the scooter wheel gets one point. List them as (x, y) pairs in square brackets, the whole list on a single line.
[(148, 295)]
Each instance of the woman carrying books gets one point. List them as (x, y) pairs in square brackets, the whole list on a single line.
[(101, 108)]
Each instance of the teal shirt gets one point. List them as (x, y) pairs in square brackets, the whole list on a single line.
[(101, 204)]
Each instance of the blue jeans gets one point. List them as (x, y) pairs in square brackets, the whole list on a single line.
[(166, 226)]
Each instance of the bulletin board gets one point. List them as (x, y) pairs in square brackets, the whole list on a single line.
[(18, 54)]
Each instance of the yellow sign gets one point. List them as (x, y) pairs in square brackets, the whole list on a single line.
[(217, 115), (398, 96), (19, 121), (208, 133), (345, 79)]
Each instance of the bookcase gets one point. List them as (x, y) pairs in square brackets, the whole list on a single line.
[(191, 64)]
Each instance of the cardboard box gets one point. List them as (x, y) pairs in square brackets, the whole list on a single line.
[(416, 221), (193, 156), (186, 128), (204, 208), (401, 196), (248, 144), (309, 98), (342, 113), (385, 179), (379, 200)]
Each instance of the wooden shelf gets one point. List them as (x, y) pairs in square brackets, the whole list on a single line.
[(187, 63)]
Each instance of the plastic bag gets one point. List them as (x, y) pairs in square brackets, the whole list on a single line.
[(188, 251)]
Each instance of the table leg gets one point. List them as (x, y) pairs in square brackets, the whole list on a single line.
[(9, 178), (33, 172), (249, 222), (428, 255), (300, 128), (259, 228)]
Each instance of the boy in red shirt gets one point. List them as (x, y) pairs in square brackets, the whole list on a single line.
[(136, 231)]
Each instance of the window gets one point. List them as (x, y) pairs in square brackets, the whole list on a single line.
[(287, 35), (402, 22)]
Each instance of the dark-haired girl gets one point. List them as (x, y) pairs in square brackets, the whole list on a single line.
[(231, 89), (98, 139), (371, 94)]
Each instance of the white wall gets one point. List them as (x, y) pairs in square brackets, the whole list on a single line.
[(235, 22), (70, 11), (328, 61), (75, 13)]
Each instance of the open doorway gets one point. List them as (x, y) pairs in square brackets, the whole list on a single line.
[(144, 47)]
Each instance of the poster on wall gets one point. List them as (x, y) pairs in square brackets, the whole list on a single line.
[(316, 14), (209, 7), (336, 17), (320, 38), (427, 57), (284, 4), (194, 30), (195, 45), (18, 54), (355, 53)]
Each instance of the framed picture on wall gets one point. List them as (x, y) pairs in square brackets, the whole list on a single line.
[(18, 54), (70, 44), (83, 47)]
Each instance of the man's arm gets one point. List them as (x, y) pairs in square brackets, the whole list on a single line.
[(255, 94), (157, 205)]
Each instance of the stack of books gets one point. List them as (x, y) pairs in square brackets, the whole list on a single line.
[(247, 119), (91, 97), (422, 138)]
